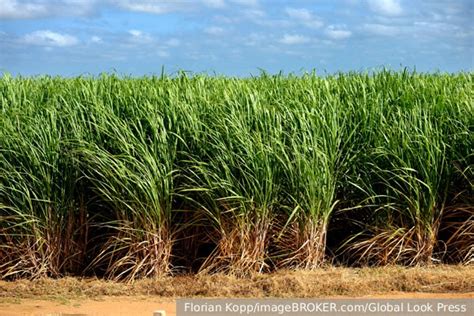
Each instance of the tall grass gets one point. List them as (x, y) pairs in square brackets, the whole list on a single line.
[(120, 176), (42, 215), (238, 174), (407, 165)]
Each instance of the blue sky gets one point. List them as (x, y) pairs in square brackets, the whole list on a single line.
[(234, 37)]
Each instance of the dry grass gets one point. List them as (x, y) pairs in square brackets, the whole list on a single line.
[(322, 282)]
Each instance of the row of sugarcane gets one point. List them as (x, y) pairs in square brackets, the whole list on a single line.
[(138, 177)]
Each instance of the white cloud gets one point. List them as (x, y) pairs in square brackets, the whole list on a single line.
[(96, 39), (30, 9), (434, 29), (49, 38), (214, 30), (304, 17), (337, 32), (140, 37), (294, 39), (300, 14), (386, 7), (381, 29), (76, 7), (135, 33), (154, 7), (12, 9), (161, 7)]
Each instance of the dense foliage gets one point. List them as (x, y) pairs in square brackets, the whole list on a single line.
[(136, 177)]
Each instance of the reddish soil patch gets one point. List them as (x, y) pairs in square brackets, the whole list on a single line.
[(147, 305)]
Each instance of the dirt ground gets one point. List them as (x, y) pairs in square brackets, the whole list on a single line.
[(125, 306), (73, 296), (146, 306)]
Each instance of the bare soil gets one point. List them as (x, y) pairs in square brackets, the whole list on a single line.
[(145, 305), (125, 306), (73, 296)]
